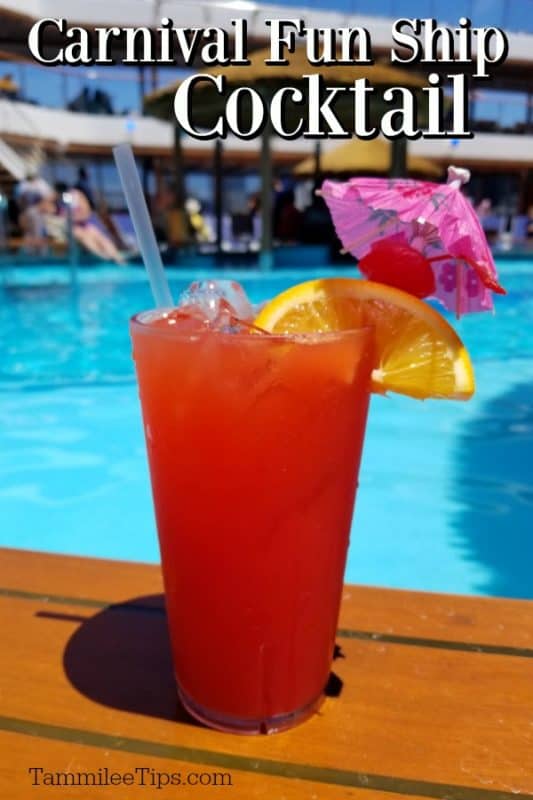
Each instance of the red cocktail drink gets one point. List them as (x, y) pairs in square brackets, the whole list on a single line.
[(254, 444)]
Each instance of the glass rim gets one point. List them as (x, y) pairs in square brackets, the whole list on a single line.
[(137, 324)]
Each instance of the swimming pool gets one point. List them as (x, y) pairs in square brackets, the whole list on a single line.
[(445, 500)]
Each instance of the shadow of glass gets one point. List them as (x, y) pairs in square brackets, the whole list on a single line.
[(121, 658), (494, 486)]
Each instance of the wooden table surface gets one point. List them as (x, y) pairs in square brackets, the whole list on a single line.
[(436, 698)]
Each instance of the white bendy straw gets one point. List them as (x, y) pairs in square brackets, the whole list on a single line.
[(131, 184)]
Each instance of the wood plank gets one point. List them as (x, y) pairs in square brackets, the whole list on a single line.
[(443, 723), (98, 579), (454, 618), (16, 783)]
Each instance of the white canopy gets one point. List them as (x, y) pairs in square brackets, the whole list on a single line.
[(68, 129)]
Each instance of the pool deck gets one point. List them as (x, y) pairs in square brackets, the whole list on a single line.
[(434, 696)]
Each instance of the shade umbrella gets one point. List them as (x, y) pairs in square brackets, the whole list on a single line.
[(365, 156), (276, 76), (268, 79), (415, 234)]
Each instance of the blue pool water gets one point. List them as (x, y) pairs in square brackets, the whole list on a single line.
[(446, 491)]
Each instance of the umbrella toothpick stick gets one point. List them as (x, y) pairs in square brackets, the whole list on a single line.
[(459, 295)]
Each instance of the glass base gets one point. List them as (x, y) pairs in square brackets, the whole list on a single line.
[(250, 727)]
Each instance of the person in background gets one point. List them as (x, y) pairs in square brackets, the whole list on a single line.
[(32, 225), (484, 208), (243, 224), (87, 231), (101, 103), (32, 196), (493, 224), (31, 190), (84, 185), (289, 219), (81, 102), (200, 230)]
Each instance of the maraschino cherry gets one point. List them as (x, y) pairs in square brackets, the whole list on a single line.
[(400, 265)]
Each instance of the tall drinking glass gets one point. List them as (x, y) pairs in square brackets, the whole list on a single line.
[(254, 444)]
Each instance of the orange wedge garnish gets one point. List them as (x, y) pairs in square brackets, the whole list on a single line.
[(417, 352)]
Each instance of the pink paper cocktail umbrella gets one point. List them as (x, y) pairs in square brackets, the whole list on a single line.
[(436, 220)]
